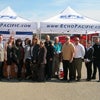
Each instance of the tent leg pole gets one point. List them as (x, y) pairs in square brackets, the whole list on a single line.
[(86, 39)]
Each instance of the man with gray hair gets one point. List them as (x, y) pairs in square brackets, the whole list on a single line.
[(67, 56), (49, 57), (56, 59), (78, 58)]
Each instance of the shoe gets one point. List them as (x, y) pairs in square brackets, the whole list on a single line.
[(56, 76), (28, 77), (98, 81), (88, 79), (40, 80), (71, 80), (48, 79), (8, 78), (64, 79), (19, 79), (78, 80), (93, 77)]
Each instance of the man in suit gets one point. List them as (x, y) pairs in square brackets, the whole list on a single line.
[(49, 57), (88, 60), (96, 57)]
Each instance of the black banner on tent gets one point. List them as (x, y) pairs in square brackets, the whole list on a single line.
[(4, 32), (24, 33)]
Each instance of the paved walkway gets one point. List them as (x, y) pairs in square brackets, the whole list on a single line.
[(51, 90)]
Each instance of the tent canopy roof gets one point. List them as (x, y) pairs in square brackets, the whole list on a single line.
[(69, 21), (8, 15), (70, 16), (10, 21)]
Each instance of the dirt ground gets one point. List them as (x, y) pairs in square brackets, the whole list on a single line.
[(50, 90)]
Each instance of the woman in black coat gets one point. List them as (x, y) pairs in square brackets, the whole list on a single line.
[(41, 61), (18, 56)]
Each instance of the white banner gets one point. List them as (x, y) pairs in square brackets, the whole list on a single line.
[(68, 28), (23, 27)]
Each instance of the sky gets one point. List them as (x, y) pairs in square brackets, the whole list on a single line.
[(39, 10)]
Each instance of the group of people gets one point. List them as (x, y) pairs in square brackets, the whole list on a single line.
[(73, 54), (42, 58)]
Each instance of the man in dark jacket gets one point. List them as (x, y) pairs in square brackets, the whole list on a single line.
[(49, 57), (96, 57), (88, 60)]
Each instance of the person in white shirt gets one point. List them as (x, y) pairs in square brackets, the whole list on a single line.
[(78, 58), (1, 56)]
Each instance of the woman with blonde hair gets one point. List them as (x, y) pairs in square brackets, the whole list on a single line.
[(41, 62), (34, 56), (9, 55)]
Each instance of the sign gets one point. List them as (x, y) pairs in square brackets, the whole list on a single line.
[(24, 27), (67, 28), (71, 17)]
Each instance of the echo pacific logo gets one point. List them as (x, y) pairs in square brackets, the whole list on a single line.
[(7, 17), (71, 17)]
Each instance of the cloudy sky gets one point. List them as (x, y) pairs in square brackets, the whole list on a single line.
[(38, 10)]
